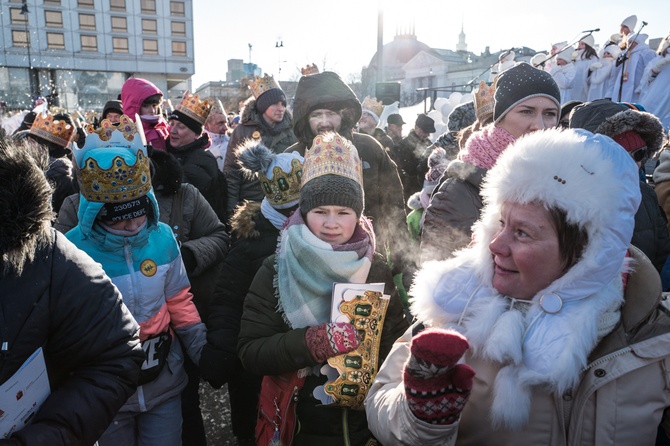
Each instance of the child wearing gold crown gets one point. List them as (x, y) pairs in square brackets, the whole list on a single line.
[(286, 325), (119, 228)]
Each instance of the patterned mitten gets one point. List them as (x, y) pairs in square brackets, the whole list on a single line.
[(331, 339), (436, 386)]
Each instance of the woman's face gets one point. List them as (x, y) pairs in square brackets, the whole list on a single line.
[(530, 115), (525, 251), (332, 224), (180, 134)]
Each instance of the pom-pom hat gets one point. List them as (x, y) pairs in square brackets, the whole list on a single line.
[(279, 174), (522, 82), (332, 175)]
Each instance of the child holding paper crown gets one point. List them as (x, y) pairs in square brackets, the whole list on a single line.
[(119, 228), (327, 240)]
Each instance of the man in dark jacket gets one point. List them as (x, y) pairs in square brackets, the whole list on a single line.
[(264, 119), (57, 299), (323, 102)]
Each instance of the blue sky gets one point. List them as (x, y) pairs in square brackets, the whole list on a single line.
[(342, 34)]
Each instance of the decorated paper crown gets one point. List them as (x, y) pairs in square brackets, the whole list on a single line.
[(217, 106), (332, 154), (260, 85), (484, 100), (194, 108), (119, 182), (283, 189), (372, 105), (309, 69), (48, 128)]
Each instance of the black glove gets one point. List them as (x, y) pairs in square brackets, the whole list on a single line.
[(216, 366), (189, 260)]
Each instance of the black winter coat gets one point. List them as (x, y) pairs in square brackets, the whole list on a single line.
[(64, 303), (651, 232), (254, 239), (202, 171)]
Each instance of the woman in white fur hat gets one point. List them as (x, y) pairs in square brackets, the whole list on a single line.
[(563, 72), (655, 85), (555, 312)]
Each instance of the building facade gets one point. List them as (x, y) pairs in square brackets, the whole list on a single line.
[(78, 53)]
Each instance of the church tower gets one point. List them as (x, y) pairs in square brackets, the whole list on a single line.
[(461, 46)]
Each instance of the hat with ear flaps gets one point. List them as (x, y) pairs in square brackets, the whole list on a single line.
[(279, 174), (547, 345), (332, 175)]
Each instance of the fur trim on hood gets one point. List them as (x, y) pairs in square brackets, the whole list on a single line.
[(324, 90), (243, 222), (647, 125), (25, 205)]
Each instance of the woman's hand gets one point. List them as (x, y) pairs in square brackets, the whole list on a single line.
[(436, 386), (331, 339)]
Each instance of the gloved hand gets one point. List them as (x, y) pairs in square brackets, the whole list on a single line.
[(595, 65), (331, 339), (216, 367), (436, 386)]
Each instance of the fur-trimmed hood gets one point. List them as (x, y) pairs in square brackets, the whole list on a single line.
[(647, 125), (324, 90), (243, 221), (25, 205), (547, 344)]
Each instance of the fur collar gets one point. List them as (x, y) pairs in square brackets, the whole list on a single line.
[(243, 222)]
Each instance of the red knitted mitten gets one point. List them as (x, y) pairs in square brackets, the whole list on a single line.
[(331, 339), (436, 387)]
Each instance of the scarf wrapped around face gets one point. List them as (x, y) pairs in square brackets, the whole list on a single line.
[(306, 268)]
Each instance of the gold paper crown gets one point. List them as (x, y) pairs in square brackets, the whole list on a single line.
[(372, 105), (332, 154), (484, 101), (260, 85), (283, 190), (357, 369), (120, 182), (309, 69), (217, 106), (53, 130), (194, 108)]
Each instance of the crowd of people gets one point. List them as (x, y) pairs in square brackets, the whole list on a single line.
[(503, 281)]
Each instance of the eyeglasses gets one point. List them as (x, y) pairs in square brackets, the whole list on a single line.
[(639, 154)]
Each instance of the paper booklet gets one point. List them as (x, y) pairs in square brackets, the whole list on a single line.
[(23, 394), (351, 375)]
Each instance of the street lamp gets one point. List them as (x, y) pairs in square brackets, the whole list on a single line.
[(279, 45), (31, 77), (24, 12)]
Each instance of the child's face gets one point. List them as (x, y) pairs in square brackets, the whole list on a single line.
[(150, 108), (332, 224)]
